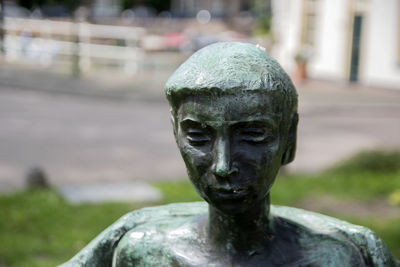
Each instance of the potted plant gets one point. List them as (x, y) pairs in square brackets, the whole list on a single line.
[(301, 59)]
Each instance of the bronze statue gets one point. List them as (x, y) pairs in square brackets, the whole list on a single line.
[(234, 115)]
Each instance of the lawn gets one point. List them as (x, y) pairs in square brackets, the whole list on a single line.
[(39, 228)]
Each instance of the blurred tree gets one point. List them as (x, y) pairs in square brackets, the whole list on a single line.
[(70, 5), (127, 4), (263, 13), (1, 26), (158, 5)]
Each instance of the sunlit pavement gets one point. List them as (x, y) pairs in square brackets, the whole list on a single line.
[(113, 128), (338, 120)]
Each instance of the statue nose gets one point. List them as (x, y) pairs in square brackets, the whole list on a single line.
[(222, 165)]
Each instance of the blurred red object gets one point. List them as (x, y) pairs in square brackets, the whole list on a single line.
[(174, 40)]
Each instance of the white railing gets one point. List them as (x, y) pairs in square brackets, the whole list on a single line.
[(47, 41)]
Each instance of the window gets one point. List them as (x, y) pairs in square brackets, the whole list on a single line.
[(309, 22)]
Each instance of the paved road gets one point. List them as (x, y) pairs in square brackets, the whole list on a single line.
[(81, 139), (337, 121)]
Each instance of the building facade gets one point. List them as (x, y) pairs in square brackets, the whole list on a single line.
[(346, 40)]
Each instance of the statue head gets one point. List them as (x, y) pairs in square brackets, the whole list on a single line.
[(234, 114)]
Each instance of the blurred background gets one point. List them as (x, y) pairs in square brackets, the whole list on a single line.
[(85, 134)]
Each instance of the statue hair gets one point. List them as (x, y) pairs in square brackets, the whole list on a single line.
[(230, 68)]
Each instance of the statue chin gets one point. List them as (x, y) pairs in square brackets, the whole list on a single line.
[(234, 114)]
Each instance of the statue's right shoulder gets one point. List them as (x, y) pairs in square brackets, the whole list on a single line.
[(99, 252)]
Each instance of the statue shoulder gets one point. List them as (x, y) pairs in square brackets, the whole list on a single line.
[(99, 252), (358, 239)]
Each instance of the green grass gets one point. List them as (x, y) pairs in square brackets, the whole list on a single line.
[(39, 228), (178, 191), (360, 186)]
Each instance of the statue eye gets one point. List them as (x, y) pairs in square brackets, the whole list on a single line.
[(198, 137), (255, 135)]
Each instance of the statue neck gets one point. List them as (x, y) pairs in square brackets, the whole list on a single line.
[(244, 232)]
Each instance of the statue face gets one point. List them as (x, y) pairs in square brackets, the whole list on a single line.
[(232, 146)]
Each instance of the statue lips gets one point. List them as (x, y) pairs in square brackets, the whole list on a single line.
[(232, 193)]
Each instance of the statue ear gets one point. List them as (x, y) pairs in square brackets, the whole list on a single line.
[(290, 150)]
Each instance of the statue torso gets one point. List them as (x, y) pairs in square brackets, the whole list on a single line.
[(181, 241)]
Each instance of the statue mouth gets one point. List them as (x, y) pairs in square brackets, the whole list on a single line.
[(239, 192)]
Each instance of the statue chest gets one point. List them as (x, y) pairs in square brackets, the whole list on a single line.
[(180, 243), (180, 248)]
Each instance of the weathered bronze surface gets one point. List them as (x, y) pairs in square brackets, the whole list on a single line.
[(234, 115)]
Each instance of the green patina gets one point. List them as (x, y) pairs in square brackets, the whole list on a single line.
[(234, 113), (326, 238), (230, 68)]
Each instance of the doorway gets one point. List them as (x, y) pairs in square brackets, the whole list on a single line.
[(355, 48)]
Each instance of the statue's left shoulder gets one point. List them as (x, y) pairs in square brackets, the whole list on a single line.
[(365, 241)]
